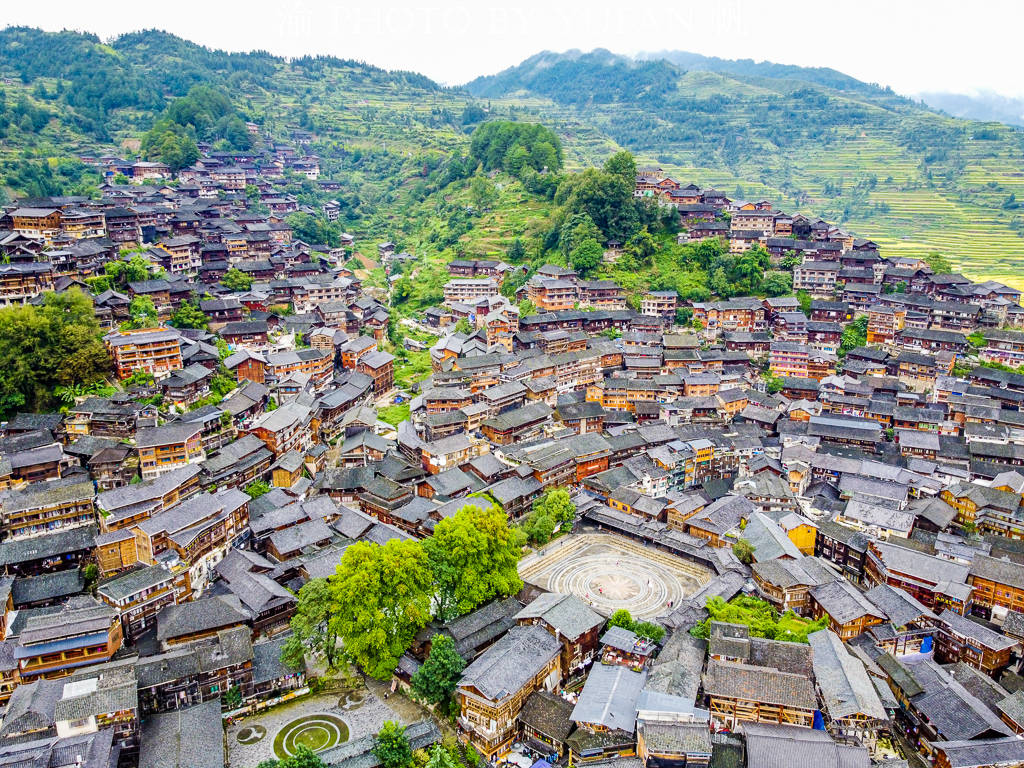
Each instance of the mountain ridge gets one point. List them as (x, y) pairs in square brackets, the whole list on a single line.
[(911, 178), (984, 106)]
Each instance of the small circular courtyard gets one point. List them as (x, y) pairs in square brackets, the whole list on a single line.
[(316, 732), (319, 721)]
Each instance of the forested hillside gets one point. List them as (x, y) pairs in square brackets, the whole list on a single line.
[(812, 140), (68, 94)]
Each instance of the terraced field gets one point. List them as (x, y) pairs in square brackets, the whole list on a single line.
[(915, 181), (905, 215)]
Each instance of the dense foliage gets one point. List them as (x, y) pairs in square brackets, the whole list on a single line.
[(598, 77), (204, 114), (761, 617), (515, 147), (236, 280), (391, 747), (552, 510), (648, 629), (381, 596), (55, 344), (188, 315), (134, 71), (855, 334), (435, 681), (473, 557), (304, 757), (380, 599)]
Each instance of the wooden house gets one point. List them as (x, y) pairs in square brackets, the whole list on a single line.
[(495, 686)]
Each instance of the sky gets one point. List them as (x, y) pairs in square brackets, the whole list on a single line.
[(909, 45)]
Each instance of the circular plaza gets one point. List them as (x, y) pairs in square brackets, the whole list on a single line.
[(611, 572)]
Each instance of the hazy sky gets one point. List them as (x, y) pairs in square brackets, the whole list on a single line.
[(909, 44)]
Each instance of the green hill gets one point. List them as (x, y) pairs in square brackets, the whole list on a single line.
[(814, 141), (68, 94)]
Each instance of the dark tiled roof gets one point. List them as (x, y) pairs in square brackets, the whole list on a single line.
[(505, 667), (266, 659), (47, 586), (192, 737), (760, 684), (549, 714), (200, 616)]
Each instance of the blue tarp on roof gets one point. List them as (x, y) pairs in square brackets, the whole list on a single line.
[(40, 649)]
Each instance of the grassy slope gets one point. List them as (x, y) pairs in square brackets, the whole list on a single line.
[(955, 209)]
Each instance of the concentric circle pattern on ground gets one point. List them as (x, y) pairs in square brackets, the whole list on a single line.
[(318, 732), (611, 572)]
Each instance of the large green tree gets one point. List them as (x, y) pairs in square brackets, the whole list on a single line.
[(641, 247), (143, 312), (587, 256), (236, 280), (553, 509), (557, 503), (380, 599), (482, 193), (134, 270), (314, 230), (606, 197), (188, 315), (577, 228), (516, 147), (855, 334), (55, 344), (312, 629), (623, 165), (474, 557), (171, 144), (391, 746), (435, 681)]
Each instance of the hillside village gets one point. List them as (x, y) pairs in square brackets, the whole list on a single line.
[(813, 504)]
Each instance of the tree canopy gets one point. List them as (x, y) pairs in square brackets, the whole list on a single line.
[(648, 629), (605, 197), (761, 617), (435, 681), (312, 629), (57, 343), (586, 256), (855, 334), (515, 147), (553, 509), (188, 315), (473, 556), (391, 746), (236, 280), (380, 599), (381, 596), (314, 230), (303, 757)]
